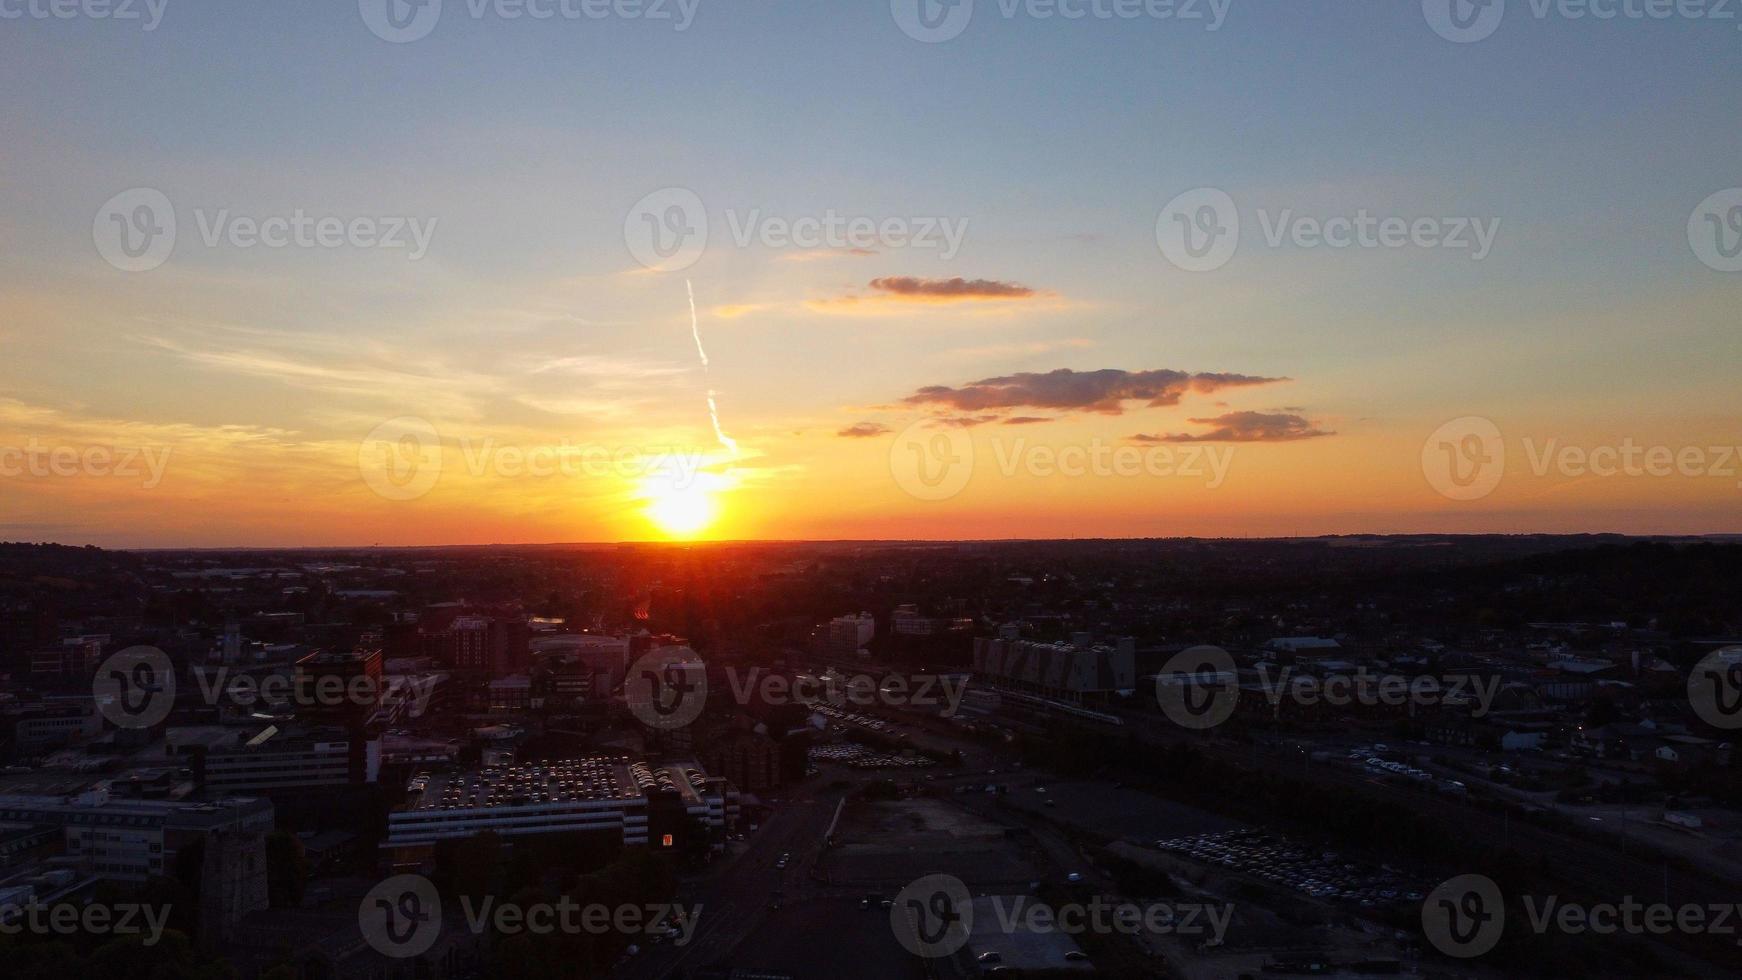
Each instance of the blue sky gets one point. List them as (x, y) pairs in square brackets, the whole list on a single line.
[(1058, 141)]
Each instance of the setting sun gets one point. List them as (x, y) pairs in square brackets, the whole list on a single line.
[(681, 508)]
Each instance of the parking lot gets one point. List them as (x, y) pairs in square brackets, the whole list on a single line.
[(1314, 873)]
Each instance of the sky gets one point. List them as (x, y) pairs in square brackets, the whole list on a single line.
[(1233, 269)]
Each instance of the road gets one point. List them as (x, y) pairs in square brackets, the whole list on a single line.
[(735, 892)]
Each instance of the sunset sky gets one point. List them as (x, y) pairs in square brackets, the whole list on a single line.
[(298, 395)]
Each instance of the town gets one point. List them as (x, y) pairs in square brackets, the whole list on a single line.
[(1171, 758)]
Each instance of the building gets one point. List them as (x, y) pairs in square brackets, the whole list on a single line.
[(75, 659), (845, 636), (1059, 670), (632, 802), (279, 760), (132, 839), (750, 760), (487, 645), (578, 668), (56, 722), (344, 688)]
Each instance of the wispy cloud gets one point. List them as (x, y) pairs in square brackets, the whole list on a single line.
[(950, 290), (1105, 391), (915, 291), (863, 430), (1245, 427)]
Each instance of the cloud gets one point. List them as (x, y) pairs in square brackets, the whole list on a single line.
[(732, 311), (863, 430), (1026, 419), (1245, 427), (1105, 391), (965, 421), (950, 290)]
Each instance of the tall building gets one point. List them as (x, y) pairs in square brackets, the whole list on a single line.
[(339, 688), (847, 635)]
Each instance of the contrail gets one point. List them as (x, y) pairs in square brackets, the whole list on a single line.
[(713, 410)]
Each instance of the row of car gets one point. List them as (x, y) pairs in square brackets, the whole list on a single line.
[(860, 757), (1325, 875), (851, 717)]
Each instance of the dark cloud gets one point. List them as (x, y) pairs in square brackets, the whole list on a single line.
[(863, 430), (910, 287), (1245, 427), (1104, 391), (965, 421), (1026, 419)]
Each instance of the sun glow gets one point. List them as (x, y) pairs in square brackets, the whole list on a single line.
[(681, 508)]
